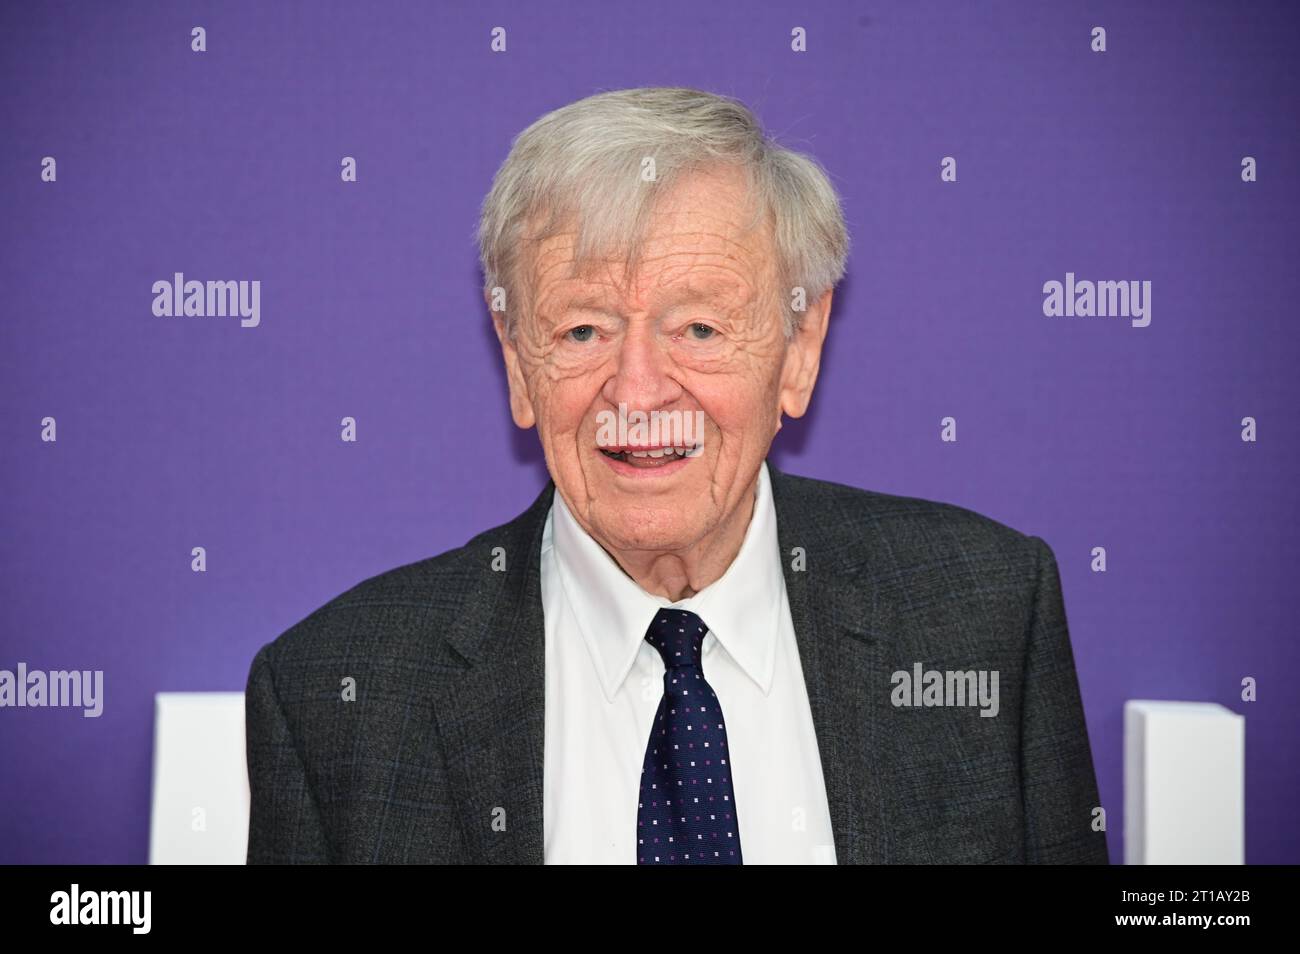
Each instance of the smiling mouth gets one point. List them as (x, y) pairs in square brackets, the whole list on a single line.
[(651, 456)]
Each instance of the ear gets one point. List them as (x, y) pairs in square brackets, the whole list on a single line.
[(803, 358), (521, 406)]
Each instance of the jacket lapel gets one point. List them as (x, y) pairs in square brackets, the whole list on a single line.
[(841, 628), (491, 715)]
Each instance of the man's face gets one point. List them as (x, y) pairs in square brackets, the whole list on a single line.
[(697, 325)]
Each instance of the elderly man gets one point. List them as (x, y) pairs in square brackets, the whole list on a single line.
[(677, 654)]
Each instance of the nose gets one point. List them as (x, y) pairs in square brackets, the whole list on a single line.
[(643, 378)]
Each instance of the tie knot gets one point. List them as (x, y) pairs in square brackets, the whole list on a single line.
[(679, 636)]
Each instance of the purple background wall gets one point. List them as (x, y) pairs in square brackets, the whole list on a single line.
[(175, 433)]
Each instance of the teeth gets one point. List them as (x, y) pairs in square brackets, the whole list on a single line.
[(659, 453)]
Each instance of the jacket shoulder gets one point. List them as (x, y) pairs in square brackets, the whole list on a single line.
[(402, 610), (861, 525)]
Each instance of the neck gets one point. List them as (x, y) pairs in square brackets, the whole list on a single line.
[(679, 574)]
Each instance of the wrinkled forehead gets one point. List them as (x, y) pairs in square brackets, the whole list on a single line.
[(705, 238)]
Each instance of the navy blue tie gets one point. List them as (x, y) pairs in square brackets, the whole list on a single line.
[(687, 811)]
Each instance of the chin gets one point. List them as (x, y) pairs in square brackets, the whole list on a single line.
[(649, 530)]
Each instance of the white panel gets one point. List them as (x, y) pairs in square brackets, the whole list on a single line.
[(1184, 784), (200, 780)]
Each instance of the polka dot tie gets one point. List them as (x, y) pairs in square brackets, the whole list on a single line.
[(687, 811)]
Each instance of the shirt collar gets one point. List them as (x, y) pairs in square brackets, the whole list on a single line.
[(741, 608)]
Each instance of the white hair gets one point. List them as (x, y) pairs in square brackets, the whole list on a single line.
[(581, 166)]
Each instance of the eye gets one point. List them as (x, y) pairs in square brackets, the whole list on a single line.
[(582, 333), (701, 331)]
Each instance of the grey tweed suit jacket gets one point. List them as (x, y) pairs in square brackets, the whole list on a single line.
[(438, 758)]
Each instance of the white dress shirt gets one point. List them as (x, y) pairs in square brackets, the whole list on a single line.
[(604, 683)]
